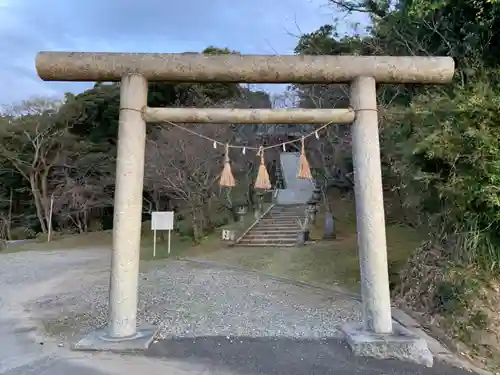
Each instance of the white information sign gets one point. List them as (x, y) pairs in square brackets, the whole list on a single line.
[(162, 220), (228, 235)]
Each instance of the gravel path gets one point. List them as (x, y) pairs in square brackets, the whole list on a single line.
[(183, 299), (65, 293)]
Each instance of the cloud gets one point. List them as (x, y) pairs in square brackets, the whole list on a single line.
[(28, 26)]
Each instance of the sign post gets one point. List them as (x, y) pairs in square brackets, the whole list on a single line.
[(162, 220)]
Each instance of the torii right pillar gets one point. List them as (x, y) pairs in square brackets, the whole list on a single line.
[(377, 336), (370, 208)]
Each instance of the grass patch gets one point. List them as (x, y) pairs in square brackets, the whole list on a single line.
[(337, 261), (71, 241), (104, 239), (178, 245)]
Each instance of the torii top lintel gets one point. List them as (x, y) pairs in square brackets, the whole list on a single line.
[(99, 66)]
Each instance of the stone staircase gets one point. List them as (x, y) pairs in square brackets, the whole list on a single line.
[(297, 191), (278, 228)]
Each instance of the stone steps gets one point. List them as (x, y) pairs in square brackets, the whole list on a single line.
[(279, 228), (282, 217), (251, 243), (269, 236), (283, 220), (265, 231)]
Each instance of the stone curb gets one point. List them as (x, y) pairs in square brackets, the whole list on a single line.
[(439, 351)]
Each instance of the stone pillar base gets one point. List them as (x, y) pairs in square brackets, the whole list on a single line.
[(402, 344), (100, 341)]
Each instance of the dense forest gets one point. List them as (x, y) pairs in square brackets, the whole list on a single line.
[(441, 159)]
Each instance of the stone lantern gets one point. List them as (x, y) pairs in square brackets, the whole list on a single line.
[(241, 211), (329, 223), (312, 204), (258, 209), (279, 178)]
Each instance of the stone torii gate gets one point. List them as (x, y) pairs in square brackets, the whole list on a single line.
[(135, 70)]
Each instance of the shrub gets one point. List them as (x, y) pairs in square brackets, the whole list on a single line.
[(22, 233), (444, 152)]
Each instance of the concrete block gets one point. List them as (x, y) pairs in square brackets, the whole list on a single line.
[(402, 344), (99, 340)]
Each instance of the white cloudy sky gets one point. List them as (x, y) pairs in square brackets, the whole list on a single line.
[(28, 26)]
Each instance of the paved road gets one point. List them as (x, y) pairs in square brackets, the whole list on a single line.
[(282, 356), (212, 321), (228, 356)]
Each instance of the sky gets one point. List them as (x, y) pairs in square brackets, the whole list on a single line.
[(253, 27)]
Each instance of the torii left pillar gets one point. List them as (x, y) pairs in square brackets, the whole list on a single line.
[(122, 333)]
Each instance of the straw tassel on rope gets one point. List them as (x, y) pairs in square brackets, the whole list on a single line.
[(226, 178), (262, 181), (304, 171)]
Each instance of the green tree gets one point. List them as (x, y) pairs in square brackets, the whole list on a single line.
[(32, 145)]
